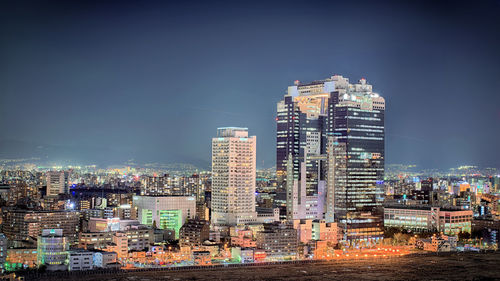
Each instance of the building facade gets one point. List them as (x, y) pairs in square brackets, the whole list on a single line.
[(194, 232), (21, 258), (138, 238), (80, 260), (278, 240), (57, 183), (428, 219), (52, 249), (104, 259), (166, 212), (233, 177), (20, 224), (316, 230)]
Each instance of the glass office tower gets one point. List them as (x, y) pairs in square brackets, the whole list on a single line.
[(301, 145), (333, 131), (356, 122)]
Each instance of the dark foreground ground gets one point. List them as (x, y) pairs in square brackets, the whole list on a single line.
[(463, 266)]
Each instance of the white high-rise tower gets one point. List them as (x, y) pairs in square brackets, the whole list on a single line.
[(233, 177)]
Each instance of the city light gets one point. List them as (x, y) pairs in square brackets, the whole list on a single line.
[(138, 141)]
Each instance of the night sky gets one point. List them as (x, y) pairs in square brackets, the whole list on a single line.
[(104, 82)]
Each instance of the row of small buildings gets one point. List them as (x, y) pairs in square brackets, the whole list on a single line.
[(103, 247), (53, 252), (112, 243)]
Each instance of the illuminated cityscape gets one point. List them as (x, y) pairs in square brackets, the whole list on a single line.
[(328, 199), (162, 149)]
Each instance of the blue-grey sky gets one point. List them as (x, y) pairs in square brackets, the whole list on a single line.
[(107, 81)]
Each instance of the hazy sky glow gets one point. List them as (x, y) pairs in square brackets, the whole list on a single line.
[(104, 81)]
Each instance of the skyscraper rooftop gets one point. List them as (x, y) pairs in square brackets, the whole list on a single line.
[(232, 132)]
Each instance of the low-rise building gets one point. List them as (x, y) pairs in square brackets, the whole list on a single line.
[(80, 260), (52, 249), (21, 258), (244, 238), (450, 221), (95, 240), (202, 257), (166, 212), (442, 243), (243, 255), (194, 232), (259, 255), (267, 215), (162, 235), (137, 256), (278, 240), (488, 228), (110, 224), (139, 238), (119, 245), (103, 259), (20, 224), (317, 249), (214, 248), (316, 230)]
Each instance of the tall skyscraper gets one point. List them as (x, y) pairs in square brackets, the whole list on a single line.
[(57, 182), (330, 154), (301, 147), (233, 177), (356, 124)]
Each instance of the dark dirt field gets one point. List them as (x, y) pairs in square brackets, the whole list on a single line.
[(456, 266)]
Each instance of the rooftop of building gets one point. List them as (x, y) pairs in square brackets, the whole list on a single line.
[(80, 251), (22, 210), (424, 207), (233, 128), (232, 132)]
